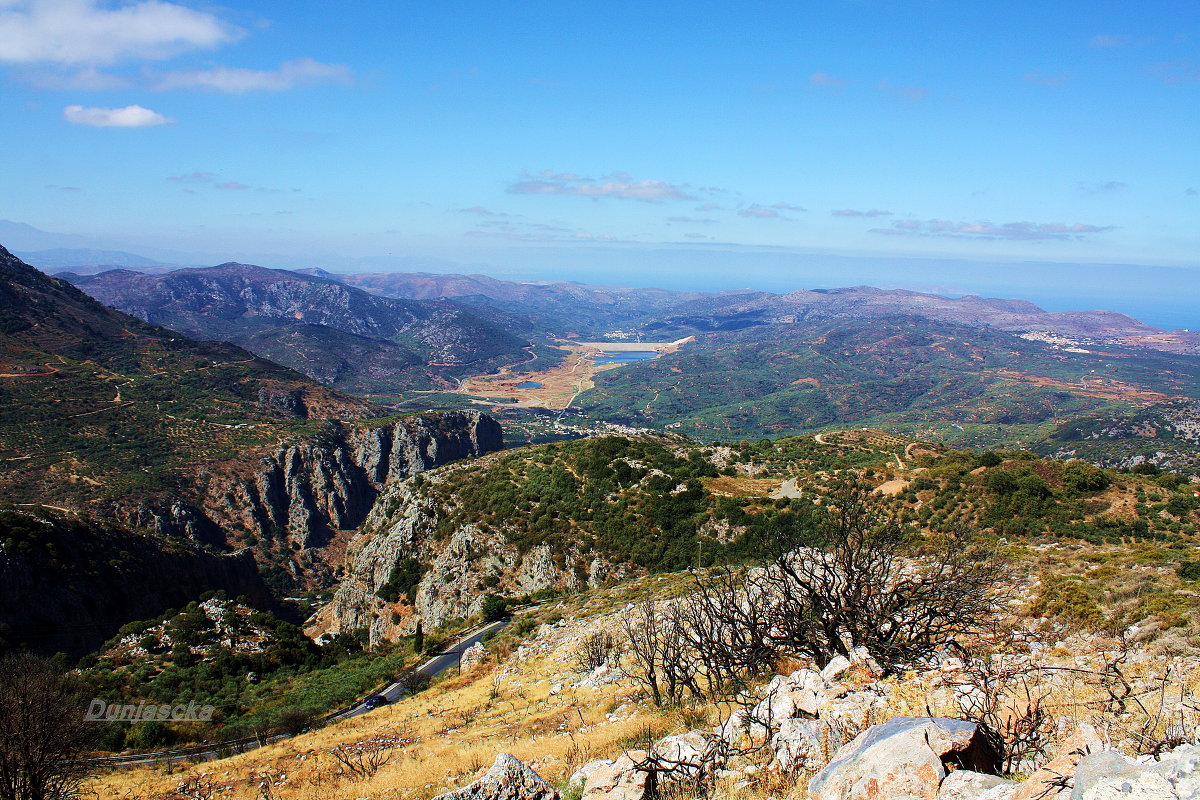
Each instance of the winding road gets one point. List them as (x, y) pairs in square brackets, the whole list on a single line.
[(435, 666)]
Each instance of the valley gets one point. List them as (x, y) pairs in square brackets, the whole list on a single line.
[(323, 532), (556, 387)]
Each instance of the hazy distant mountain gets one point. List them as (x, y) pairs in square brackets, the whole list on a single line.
[(864, 302), (20, 236), (561, 307), (87, 260), (338, 334)]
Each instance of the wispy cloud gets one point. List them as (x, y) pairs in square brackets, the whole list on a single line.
[(1107, 40), (1012, 231), (692, 220), (1046, 80), (618, 185), (480, 211), (1103, 187), (71, 32), (907, 92), (127, 117), (1177, 71), (214, 181), (851, 212), (1190, 192), (235, 80), (58, 188), (194, 177), (89, 79), (827, 80)]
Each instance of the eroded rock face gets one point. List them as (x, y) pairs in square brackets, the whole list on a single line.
[(303, 493), (461, 565), (508, 779), (902, 759)]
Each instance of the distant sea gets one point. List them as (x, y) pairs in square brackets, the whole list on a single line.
[(1172, 314)]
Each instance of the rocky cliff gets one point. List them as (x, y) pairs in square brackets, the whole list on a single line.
[(458, 567), (291, 503)]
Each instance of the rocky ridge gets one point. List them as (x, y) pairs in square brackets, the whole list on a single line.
[(460, 567), (304, 493)]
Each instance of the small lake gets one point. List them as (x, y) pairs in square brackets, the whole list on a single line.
[(625, 357), (529, 385)]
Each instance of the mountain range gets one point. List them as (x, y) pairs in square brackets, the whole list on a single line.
[(337, 334)]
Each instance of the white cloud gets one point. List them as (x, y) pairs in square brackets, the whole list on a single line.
[(618, 185), (235, 80), (89, 79), (127, 117), (70, 32)]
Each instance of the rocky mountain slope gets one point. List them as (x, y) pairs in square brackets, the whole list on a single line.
[(580, 514), (67, 585), (337, 334), (106, 416)]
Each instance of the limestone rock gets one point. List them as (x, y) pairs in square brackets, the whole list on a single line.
[(508, 779), (1108, 775), (580, 776), (963, 784), (620, 780), (1047, 782), (835, 668), (802, 743), (472, 657), (686, 755), (787, 695), (1182, 768), (902, 759)]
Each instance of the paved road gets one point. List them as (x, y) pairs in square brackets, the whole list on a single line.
[(433, 667)]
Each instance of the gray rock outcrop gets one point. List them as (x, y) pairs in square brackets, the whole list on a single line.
[(508, 779), (903, 759), (621, 779), (306, 491), (472, 657)]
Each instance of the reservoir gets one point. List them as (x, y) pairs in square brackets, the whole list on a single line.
[(625, 357), (529, 385)]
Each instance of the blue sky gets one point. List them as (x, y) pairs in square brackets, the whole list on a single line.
[(552, 133)]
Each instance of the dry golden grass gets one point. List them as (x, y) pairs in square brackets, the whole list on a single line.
[(448, 735)]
